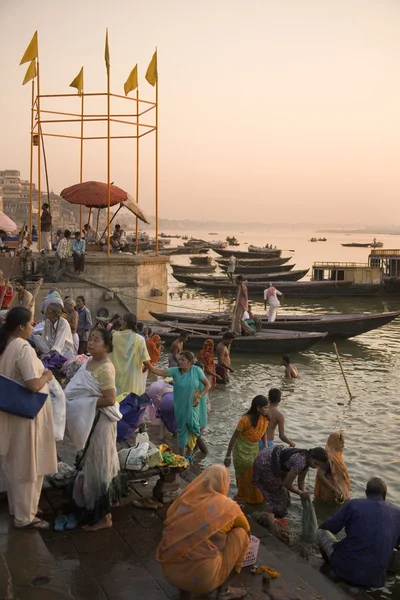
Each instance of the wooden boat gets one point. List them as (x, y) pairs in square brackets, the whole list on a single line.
[(341, 326), (165, 235), (262, 280), (195, 242), (322, 239), (313, 240), (253, 269), (184, 250), (201, 260), (255, 262), (368, 245), (267, 253), (232, 241), (301, 289), (183, 269), (217, 244), (264, 342)]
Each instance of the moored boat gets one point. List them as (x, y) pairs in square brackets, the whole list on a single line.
[(182, 269), (253, 261), (301, 289), (337, 326), (201, 260), (232, 241), (264, 342), (261, 279), (184, 250), (253, 269), (267, 253)]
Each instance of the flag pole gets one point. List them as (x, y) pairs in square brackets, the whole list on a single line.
[(156, 164), (108, 154), (39, 129), (81, 158), (137, 166), (31, 161)]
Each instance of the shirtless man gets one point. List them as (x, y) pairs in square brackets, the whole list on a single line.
[(291, 371), (276, 419), (176, 348), (223, 366)]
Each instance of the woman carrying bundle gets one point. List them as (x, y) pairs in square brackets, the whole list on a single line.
[(251, 428), (333, 481)]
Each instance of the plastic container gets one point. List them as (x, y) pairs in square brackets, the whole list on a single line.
[(251, 556)]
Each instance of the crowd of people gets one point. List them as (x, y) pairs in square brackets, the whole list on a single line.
[(206, 534)]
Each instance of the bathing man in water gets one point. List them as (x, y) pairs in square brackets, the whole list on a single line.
[(276, 419), (290, 370)]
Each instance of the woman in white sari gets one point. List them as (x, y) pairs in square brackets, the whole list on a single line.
[(27, 446), (92, 417), (128, 357), (56, 337)]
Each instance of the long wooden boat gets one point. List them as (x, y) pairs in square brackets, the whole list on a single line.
[(254, 262), (184, 250), (247, 269), (262, 280), (368, 245), (201, 260), (302, 289), (264, 342), (248, 254), (182, 269), (340, 326)]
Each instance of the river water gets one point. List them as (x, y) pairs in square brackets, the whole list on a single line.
[(317, 403)]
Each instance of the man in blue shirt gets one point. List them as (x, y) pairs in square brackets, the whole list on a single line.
[(372, 528), (78, 253)]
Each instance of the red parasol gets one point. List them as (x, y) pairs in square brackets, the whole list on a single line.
[(93, 194)]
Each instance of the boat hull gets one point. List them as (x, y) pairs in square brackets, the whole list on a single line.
[(254, 262), (302, 289), (182, 269), (336, 326), (248, 254), (262, 343), (258, 269), (261, 280)]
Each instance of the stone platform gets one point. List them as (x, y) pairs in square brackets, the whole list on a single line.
[(139, 280)]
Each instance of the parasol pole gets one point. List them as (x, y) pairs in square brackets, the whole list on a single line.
[(156, 165), (81, 157), (108, 153), (39, 195), (31, 160), (137, 167)]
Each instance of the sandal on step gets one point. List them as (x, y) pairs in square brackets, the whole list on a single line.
[(36, 524), (60, 523), (233, 593)]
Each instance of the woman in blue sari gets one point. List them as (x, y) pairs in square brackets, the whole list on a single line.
[(188, 380)]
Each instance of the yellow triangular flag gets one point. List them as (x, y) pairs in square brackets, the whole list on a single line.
[(132, 82), (78, 82), (151, 73), (32, 50), (30, 72), (107, 54)]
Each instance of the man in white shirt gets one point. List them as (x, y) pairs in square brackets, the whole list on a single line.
[(271, 297), (231, 266), (63, 252)]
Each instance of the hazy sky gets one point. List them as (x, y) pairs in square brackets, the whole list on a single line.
[(269, 109)]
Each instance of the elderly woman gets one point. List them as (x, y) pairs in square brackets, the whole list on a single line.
[(27, 446), (56, 339), (276, 469), (187, 383), (205, 539), (333, 482)]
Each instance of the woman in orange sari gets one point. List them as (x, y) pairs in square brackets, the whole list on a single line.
[(251, 428), (206, 356), (154, 346), (205, 538), (333, 481)]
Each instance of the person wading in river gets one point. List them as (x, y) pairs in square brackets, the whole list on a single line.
[(176, 348), (241, 306), (223, 366)]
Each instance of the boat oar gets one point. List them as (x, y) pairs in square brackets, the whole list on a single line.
[(341, 368)]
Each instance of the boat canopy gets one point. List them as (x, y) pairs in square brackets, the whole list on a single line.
[(347, 271), (387, 260)]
